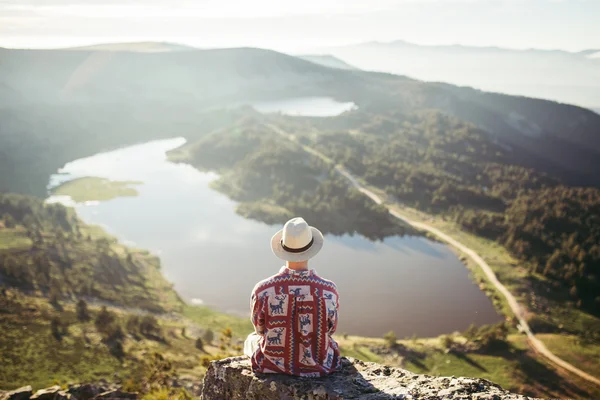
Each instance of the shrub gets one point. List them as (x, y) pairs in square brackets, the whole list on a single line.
[(150, 328), (447, 341), (9, 221), (83, 313), (227, 333), (104, 319), (208, 336), (390, 339)]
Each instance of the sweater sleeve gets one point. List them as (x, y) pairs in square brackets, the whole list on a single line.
[(258, 314), (332, 314)]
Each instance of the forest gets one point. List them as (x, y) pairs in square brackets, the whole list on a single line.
[(442, 165), (275, 179)]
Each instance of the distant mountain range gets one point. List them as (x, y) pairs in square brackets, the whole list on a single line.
[(139, 47), (51, 97), (551, 74)]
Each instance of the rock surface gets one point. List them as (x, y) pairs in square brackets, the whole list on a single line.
[(75, 392), (22, 393), (51, 393), (233, 379)]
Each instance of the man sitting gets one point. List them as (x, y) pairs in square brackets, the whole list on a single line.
[(294, 312)]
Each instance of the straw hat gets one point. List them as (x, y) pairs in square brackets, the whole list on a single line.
[(297, 241)]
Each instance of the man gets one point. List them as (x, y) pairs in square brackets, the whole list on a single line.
[(294, 312)]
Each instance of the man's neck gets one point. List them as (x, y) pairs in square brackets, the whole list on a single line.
[(297, 266)]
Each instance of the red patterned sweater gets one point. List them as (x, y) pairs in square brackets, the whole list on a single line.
[(295, 312)]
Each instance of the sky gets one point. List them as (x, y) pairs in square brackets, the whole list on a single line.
[(302, 25)]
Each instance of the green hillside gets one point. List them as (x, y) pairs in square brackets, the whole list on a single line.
[(77, 306), (440, 165), (274, 180), (46, 249), (60, 105)]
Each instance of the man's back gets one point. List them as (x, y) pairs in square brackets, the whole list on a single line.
[(295, 312)]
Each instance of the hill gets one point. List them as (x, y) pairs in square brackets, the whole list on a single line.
[(534, 73), (45, 248), (68, 104), (77, 306), (275, 180), (76, 76), (328, 61), (137, 47)]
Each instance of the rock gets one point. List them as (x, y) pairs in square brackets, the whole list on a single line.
[(51, 393), (84, 392), (22, 393), (117, 394), (233, 379)]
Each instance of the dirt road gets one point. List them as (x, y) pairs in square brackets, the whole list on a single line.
[(512, 302)]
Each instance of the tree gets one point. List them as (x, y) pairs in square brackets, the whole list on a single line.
[(149, 327), (9, 221), (447, 341), (208, 336), (471, 332), (391, 339), (83, 313), (104, 319), (56, 328), (200, 344)]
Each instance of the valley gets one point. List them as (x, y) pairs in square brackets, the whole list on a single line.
[(189, 170)]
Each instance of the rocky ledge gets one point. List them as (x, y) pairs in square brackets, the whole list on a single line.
[(73, 392), (233, 379)]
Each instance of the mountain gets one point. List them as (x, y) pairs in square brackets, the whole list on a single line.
[(534, 73), (63, 105), (76, 76), (591, 53), (138, 47), (328, 61)]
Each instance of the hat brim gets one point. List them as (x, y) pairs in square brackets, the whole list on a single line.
[(280, 252)]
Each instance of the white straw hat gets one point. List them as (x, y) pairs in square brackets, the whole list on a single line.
[(297, 241)]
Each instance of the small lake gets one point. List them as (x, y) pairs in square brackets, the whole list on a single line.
[(304, 106), (213, 256)]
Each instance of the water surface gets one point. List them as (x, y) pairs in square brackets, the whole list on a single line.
[(214, 256)]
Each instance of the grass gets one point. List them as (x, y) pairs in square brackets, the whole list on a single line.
[(264, 212), (584, 355), (14, 239), (217, 321), (95, 189), (515, 368), (31, 355)]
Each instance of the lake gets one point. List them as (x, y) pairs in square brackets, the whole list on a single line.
[(411, 285)]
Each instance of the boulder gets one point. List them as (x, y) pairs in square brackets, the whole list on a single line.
[(51, 393), (84, 392), (117, 394), (22, 393), (233, 379)]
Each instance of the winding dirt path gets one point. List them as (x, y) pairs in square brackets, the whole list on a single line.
[(512, 302)]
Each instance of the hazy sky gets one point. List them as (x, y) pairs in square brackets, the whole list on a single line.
[(302, 24)]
